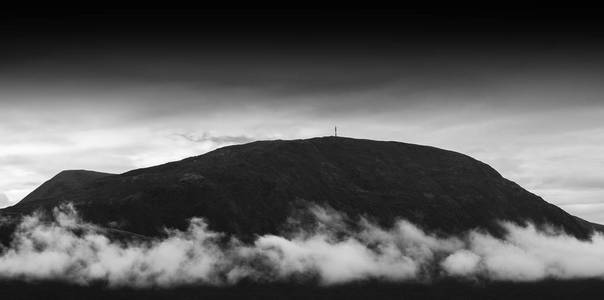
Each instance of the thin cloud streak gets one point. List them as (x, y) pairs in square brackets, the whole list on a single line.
[(220, 139)]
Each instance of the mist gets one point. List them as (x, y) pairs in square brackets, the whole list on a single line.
[(64, 247)]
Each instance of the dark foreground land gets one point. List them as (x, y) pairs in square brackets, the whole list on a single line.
[(574, 289)]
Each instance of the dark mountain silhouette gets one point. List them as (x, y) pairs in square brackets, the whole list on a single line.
[(63, 183), (252, 189)]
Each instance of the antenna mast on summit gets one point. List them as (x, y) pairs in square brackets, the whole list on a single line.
[(335, 131)]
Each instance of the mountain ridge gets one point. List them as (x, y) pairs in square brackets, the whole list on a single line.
[(64, 182), (252, 188)]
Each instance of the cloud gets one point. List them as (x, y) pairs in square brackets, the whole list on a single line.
[(461, 263), (218, 139), (4, 201), (528, 254), (66, 248)]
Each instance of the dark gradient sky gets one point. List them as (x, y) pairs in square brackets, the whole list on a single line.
[(115, 90)]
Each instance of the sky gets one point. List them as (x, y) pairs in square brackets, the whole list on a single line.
[(113, 91)]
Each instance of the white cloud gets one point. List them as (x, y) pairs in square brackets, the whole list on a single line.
[(4, 201), (69, 249)]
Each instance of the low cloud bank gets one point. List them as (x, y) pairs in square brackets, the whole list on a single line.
[(66, 248)]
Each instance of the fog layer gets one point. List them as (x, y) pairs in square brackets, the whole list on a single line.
[(66, 248)]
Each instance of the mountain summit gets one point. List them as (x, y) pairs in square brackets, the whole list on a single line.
[(252, 188)]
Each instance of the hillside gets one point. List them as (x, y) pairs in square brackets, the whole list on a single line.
[(63, 183), (252, 188)]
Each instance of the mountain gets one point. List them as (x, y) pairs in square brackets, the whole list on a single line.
[(63, 183), (252, 188)]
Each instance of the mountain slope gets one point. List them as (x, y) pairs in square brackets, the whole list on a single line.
[(63, 183), (252, 188)]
